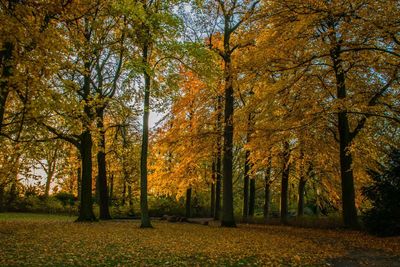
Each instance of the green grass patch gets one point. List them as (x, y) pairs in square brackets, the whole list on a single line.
[(35, 217)]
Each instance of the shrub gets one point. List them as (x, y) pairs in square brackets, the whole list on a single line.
[(384, 217)]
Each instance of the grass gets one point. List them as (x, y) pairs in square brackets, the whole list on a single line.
[(53, 240)]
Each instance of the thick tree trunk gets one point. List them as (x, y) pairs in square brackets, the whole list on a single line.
[(346, 172), (79, 181), (212, 196), (86, 208), (6, 64), (145, 218), (217, 214), (300, 206), (285, 185), (1, 198), (228, 219), (188, 202), (101, 167)]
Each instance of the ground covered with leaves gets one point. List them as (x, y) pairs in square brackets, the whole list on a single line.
[(36, 240)]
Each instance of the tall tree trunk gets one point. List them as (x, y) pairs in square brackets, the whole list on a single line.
[(101, 166), (300, 206), (85, 148), (252, 198), (145, 218), (213, 178), (111, 188), (267, 190), (188, 202), (86, 208), (79, 181), (217, 214), (6, 64), (267, 201), (285, 185), (1, 198), (228, 219), (346, 172), (245, 215)]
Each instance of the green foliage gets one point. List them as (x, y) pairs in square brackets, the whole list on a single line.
[(38, 204), (66, 198), (384, 216)]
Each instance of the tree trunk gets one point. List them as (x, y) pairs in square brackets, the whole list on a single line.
[(267, 190), (49, 178), (1, 198), (252, 198), (130, 201), (300, 206), (228, 219), (123, 193), (346, 172), (86, 208), (188, 202), (217, 214), (101, 166), (79, 182), (267, 201), (145, 218), (245, 196), (6, 64), (285, 185), (212, 201), (111, 188)]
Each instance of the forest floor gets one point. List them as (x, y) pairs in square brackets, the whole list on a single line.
[(37, 240)]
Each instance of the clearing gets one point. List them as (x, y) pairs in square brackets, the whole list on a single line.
[(29, 239)]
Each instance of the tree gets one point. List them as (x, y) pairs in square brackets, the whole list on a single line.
[(332, 46), (233, 16), (383, 218)]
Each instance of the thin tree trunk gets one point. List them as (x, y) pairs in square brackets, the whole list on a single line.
[(145, 218), (49, 179), (101, 166), (252, 198), (130, 201), (285, 185), (245, 215), (267, 201), (300, 206), (188, 202), (111, 188), (267, 190), (124, 193)]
